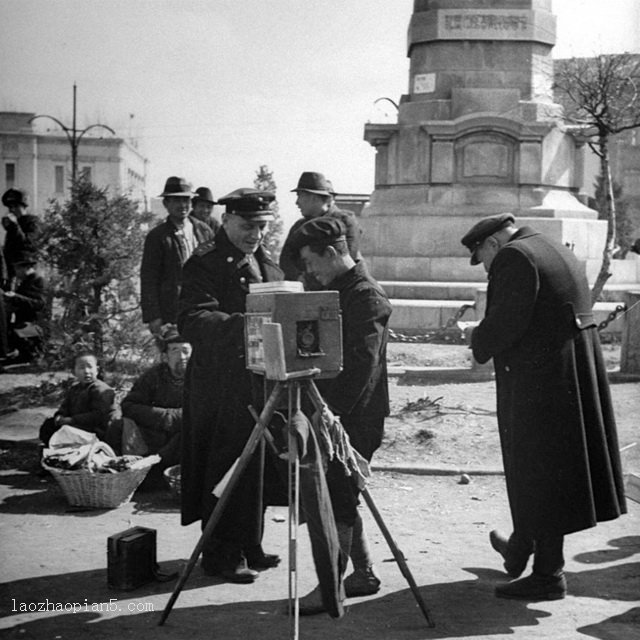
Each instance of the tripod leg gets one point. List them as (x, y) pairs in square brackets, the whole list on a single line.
[(319, 404), (254, 439), (294, 497), (398, 555)]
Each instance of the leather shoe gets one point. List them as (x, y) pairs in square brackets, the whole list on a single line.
[(311, 604), (534, 587), (514, 563), (362, 582), (265, 561)]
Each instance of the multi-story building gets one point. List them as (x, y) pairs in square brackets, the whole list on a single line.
[(40, 163)]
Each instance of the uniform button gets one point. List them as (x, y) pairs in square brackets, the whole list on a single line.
[(507, 368), (229, 259), (243, 280)]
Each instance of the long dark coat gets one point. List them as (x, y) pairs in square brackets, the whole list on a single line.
[(360, 394), (218, 387), (161, 269), (556, 422)]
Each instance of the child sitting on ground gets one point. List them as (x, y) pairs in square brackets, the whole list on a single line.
[(89, 403)]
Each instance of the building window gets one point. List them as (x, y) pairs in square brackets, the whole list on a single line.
[(9, 174), (86, 173), (59, 169)]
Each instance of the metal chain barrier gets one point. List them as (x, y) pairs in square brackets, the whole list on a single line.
[(621, 308), (450, 333)]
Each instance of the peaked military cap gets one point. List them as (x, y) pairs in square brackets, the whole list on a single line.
[(175, 186), (482, 229), (314, 182), (15, 196), (249, 203), (321, 231), (204, 194)]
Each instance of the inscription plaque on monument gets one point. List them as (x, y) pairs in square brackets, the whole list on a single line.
[(484, 24)]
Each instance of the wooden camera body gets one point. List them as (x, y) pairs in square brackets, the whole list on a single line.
[(311, 331)]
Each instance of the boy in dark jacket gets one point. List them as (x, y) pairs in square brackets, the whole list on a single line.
[(89, 404)]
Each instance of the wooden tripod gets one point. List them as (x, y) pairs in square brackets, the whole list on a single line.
[(291, 383)]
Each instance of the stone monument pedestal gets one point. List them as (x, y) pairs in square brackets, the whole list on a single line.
[(477, 134)]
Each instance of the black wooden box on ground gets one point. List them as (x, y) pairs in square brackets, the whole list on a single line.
[(311, 330), (131, 558)]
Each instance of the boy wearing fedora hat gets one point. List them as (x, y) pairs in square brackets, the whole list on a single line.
[(202, 208), (315, 198), (219, 387), (166, 248)]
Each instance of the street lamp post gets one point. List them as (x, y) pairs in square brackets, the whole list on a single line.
[(74, 135)]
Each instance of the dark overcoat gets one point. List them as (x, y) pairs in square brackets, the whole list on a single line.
[(161, 269), (556, 421), (218, 387), (360, 394), (154, 403)]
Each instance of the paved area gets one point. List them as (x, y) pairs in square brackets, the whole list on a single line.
[(54, 557)]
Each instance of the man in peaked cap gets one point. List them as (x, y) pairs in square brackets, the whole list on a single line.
[(359, 394), (219, 388), (202, 208), (166, 248), (21, 228), (315, 199), (555, 417)]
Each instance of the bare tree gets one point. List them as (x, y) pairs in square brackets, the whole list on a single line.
[(602, 95)]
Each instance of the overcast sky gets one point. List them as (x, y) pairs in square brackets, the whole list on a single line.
[(214, 88)]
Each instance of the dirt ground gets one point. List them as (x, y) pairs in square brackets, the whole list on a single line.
[(56, 555)]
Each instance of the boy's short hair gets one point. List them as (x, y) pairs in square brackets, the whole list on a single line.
[(84, 353)]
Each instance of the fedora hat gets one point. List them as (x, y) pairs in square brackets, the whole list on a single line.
[(15, 196), (314, 182), (204, 194), (175, 186), (249, 203)]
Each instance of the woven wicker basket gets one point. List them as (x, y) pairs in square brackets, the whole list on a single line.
[(85, 488), (172, 476)]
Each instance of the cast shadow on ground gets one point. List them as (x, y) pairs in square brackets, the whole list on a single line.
[(621, 627), (463, 608), (466, 608), (42, 496), (622, 548)]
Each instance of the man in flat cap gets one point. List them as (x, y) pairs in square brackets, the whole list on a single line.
[(202, 208), (21, 228), (359, 394), (219, 388), (315, 198), (166, 248), (556, 421)]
